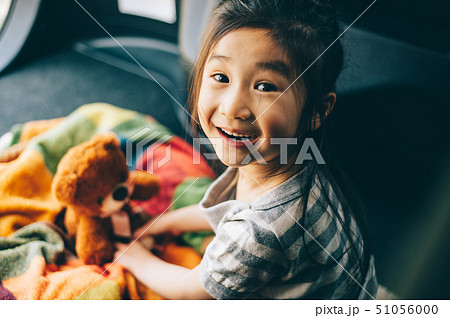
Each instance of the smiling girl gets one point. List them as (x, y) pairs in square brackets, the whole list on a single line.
[(283, 228)]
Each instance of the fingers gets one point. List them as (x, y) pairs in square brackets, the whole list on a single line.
[(128, 254), (149, 228), (148, 242), (120, 248), (142, 231)]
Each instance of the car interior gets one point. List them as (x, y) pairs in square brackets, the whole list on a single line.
[(391, 133)]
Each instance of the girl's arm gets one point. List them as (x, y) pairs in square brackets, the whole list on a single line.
[(168, 280), (186, 219)]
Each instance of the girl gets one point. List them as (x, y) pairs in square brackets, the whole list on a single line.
[(283, 228)]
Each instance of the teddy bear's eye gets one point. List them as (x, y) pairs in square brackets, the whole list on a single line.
[(99, 200)]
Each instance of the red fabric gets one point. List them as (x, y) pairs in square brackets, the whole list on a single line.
[(171, 172)]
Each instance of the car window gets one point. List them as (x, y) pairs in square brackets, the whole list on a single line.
[(162, 10), (4, 9)]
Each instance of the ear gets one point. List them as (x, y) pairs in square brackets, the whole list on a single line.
[(328, 102), (65, 187), (110, 141)]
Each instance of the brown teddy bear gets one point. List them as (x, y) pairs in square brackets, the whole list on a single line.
[(93, 182)]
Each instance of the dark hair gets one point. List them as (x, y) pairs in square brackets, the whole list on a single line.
[(304, 29)]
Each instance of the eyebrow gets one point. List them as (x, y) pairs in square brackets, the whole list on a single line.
[(219, 57), (278, 66)]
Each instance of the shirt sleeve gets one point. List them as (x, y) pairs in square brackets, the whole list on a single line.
[(243, 257)]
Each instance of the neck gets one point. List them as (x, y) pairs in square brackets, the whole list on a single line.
[(255, 180)]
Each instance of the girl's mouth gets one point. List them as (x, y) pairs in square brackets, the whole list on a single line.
[(237, 139)]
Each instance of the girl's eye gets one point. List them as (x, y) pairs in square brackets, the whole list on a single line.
[(266, 87), (221, 78)]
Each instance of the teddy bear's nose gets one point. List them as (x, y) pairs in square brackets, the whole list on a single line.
[(120, 193)]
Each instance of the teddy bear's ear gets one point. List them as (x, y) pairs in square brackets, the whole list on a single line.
[(65, 187), (109, 141)]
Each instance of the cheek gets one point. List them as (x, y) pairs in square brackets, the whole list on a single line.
[(279, 125), (205, 106), (282, 119)]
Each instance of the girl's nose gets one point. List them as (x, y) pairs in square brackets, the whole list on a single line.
[(236, 105)]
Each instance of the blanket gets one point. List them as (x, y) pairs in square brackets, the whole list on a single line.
[(36, 260), (29, 268)]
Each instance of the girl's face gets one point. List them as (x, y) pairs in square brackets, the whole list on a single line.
[(241, 102)]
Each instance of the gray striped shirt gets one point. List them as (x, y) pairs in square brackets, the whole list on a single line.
[(269, 250)]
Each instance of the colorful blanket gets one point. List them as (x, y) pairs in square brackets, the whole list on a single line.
[(36, 259)]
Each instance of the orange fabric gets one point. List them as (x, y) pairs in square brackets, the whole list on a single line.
[(25, 195), (181, 255), (36, 127), (138, 291), (43, 281)]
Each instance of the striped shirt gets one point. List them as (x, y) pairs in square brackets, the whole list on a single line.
[(269, 250)]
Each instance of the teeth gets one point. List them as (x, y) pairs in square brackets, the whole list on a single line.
[(237, 134)]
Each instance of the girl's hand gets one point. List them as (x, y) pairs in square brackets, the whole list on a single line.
[(168, 280), (186, 219), (155, 226), (131, 255)]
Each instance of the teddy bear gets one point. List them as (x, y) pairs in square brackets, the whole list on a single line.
[(93, 183)]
